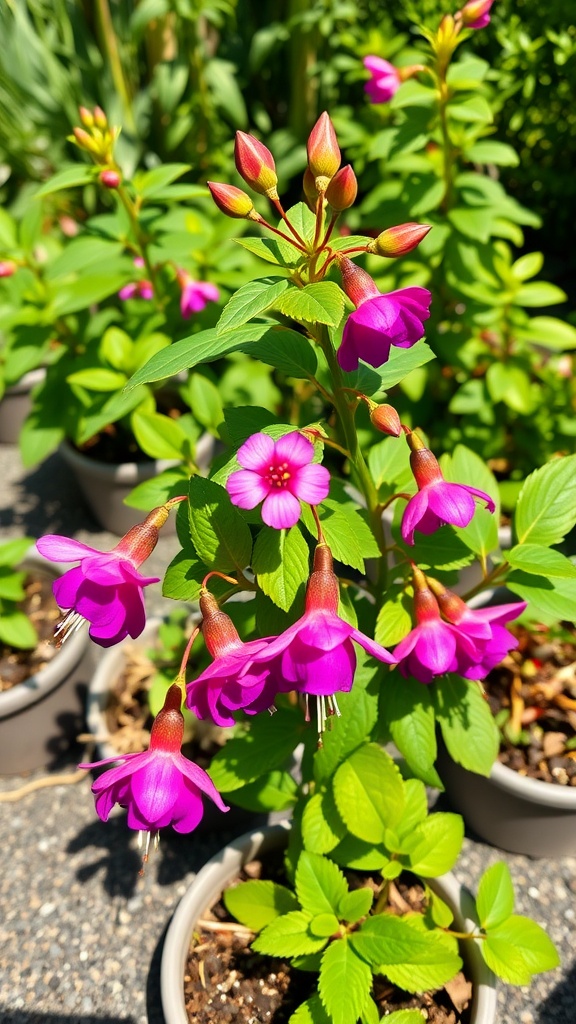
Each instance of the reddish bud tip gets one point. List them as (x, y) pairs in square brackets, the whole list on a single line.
[(451, 606), (230, 200), (357, 284), (218, 630), (7, 268), (386, 419), (343, 189), (322, 592), (100, 119), (256, 164), (139, 543), (476, 13), (82, 137), (110, 179), (168, 728), (425, 604), (424, 465), (323, 152), (86, 116), (399, 240)]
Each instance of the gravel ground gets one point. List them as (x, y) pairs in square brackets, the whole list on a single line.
[(81, 933)]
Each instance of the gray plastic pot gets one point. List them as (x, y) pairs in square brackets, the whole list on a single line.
[(512, 811), (40, 717), (105, 486), (223, 868), (15, 405)]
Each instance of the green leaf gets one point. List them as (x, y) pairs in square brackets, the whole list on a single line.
[(435, 845), (219, 533), (400, 363), (409, 710), (546, 509), (292, 354), (539, 293), (394, 620), (345, 982), (324, 925), (468, 728), (517, 949), (359, 710), (389, 463), (281, 564), (549, 599), (495, 899), (320, 885), (310, 1012), (273, 250), (540, 560), (86, 291), (274, 791), (149, 183), (16, 630), (369, 793), (12, 584), (98, 379), (160, 436), (550, 333), (82, 252), (355, 905), (321, 302), (204, 399), (322, 826), (288, 935), (68, 177), (510, 384), (250, 300), (473, 223), (527, 266), (12, 552), (474, 109), (268, 744), (346, 531), (256, 903), (413, 959), (487, 151), (442, 550)]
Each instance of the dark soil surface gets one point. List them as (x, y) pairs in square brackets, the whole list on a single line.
[(114, 445), (225, 981), (533, 698), (39, 605)]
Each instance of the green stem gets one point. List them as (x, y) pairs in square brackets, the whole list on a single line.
[(447, 148), (464, 935), (110, 46), (491, 577), (141, 240)]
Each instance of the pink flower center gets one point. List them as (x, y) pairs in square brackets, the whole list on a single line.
[(278, 475)]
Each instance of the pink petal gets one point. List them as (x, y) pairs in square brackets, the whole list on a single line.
[(246, 488), (436, 647), (156, 788), (376, 650), (65, 589), (412, 515), (63, 549), (323, 630), (295, 449), (451, 502), (256, 453), (199, 778), (311, 484), (324, 673), (281, 510), (188, 812)]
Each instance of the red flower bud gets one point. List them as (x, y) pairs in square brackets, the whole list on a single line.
[(323, 152), (399, 240), (230, 200), (357, 284), (386, 419), (256, 165), (168, 728), (7, 268), (423, 462), (109, 178), (343, 189), (220, 633)]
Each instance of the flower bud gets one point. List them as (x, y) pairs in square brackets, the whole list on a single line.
[(168, 727), (476, 13), (357, 284), (110, 178), (230, 200), (399, 240), (322, 592), (446, 38), (100, 119), (423, 462), (309, 188), (7, 268), (451, 606), (139, 543), (85, 141), (343, 189), (425, 604), (256, 165), (323, 152), (219, 632), (86, 116), (386, 419)]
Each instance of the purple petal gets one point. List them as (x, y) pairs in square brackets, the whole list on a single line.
[(65, 589), (247, 488), (157, 787), (256, 453), (324, 673), (413, 513), (281, 510), (188, 812), (63, 549), (376, 650), (451, 503), (294, 449), (323, 630), (197, 777), (311, 484)]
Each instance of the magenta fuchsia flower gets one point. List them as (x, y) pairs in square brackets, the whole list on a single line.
[(476, 13), (380, 320), (384, 81), (316, 655), (106, 588), (232, 682), (195, 295), (437, 501), (281, 475), (136, 290), (159, 787), (484, 626)]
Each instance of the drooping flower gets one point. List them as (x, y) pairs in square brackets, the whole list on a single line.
[(437, 502), (316, 655), (195, 295), (160, 786), (476, 13), (381, 320), (433, 646), (141, 289), (106, 588), (232, 682), (281, 475), (384, 81)]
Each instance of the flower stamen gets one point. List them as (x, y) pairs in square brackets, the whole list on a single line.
[(65, 627)]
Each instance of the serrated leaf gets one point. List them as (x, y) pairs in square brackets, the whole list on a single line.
[(291, 353), (495, 898), (369, 793), (219, 533), (281, 564), (394, 620), (345, 982), (324, 925), (540, 560), (355, 905), (409, 710), (435, 845), (346, 532), (256, 903), (320, 885), (321, 302), (413, 959), (546, 509), (359, 712), (250, 300), (468, 728), (517, 949), (288, 935), (353, 853), (322, 826), (310, 1012), (268, 744)]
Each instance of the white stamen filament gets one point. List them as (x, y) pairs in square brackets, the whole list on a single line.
[(68, 625)]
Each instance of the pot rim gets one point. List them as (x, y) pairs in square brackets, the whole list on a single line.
[(131, 472), (222, 868), (26, 382), (33, 689)]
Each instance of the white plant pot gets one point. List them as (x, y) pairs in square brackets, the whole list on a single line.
[(16, 403)]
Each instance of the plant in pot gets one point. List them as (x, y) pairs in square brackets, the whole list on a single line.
[(274, 521), (40, 698)]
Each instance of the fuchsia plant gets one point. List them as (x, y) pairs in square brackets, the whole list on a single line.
[(343, 613)]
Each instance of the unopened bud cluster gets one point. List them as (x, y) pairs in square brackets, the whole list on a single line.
[(97, 138)]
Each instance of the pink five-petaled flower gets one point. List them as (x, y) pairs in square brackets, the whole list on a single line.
[(316, 656), (437, 501), (476, 13), (380, 321), (384, 82), (433, 647), (279, 473), (195, 295), (106, 588), (160, 786), (232, 682), (485, 627)]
